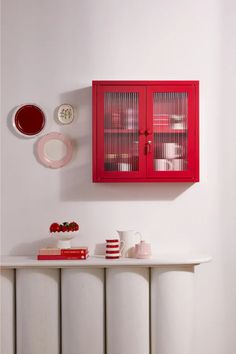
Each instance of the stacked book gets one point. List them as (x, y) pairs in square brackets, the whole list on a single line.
[(73, 253)]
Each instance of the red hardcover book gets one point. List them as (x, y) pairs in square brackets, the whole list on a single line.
[(74, 251), (61, 257), (60, 252)]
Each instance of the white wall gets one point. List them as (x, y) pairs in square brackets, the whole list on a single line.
[(52, 50)]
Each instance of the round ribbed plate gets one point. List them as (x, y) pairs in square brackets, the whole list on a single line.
[(54, 150), (29, 120)]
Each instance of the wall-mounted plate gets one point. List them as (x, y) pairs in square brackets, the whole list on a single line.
[(29, 120), (65, 114), (54, 150)]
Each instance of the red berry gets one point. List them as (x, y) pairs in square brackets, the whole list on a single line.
[(54, 227), (71, 226)]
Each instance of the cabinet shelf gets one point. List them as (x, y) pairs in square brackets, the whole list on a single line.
[(163, 130), (167, 130), (120, 131)]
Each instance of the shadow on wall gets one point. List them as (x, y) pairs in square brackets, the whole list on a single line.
[(76, 181), (10, 124), (76, 185), (29, 248)]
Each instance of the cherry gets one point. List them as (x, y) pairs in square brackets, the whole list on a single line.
[(54, 227), (76, 227)]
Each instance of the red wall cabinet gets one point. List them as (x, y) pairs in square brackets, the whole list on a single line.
[(145, 131)]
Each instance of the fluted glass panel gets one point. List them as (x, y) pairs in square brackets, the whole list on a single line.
[(121, 112), (170, 127)]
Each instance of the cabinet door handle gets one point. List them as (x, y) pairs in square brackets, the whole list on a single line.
[(148, 132), (141, 132), (149, 147)]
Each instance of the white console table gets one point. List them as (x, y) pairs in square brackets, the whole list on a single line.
[(98, 306)]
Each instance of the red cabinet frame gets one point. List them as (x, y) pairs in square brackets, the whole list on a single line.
[(146, 134)]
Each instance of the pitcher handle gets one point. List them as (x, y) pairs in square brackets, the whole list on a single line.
[(122, 245), (179, 150), (170, 165), (140, 236)]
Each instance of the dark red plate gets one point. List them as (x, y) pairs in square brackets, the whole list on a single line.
[(29, 120)]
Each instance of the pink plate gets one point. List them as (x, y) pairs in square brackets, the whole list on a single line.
[(54, 150)]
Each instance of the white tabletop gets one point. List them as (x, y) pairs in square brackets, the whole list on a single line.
[(100, 262)]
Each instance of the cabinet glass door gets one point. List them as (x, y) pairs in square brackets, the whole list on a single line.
[(121, 118), (170, 138)]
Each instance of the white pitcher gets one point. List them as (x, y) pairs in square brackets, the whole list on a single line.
[(128, 239)]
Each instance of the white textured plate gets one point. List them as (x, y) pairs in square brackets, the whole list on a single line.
[(65, 114)]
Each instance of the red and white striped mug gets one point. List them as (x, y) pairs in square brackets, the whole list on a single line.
[(113, 248)]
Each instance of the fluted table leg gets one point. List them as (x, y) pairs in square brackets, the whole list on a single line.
[(82, 311), (172, 309), (7, 342), (37, 303), (127, 310)]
